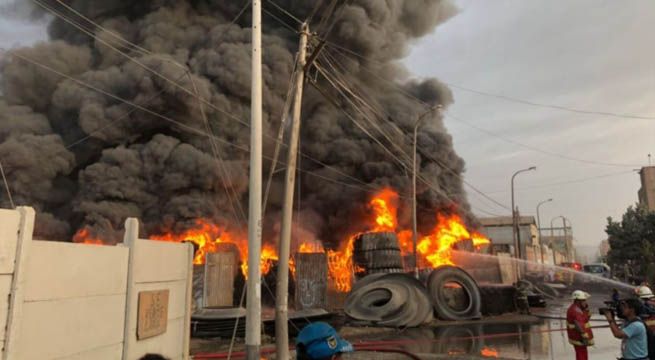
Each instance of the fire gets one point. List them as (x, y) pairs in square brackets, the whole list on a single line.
[(208, 237), (307, 247), (436, 248), (489, 352), (340, 265), (83, 236), (385, 209)]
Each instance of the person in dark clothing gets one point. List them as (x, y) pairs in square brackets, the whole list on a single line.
[(633, 335), (320, 341)]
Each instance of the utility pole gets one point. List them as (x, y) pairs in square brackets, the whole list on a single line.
[(282, 287), (414, 170), (254, 305)]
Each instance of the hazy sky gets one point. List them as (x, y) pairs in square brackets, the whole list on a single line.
[(588, 54), (593, 55)]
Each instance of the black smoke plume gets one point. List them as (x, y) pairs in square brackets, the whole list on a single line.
[(86, 160)]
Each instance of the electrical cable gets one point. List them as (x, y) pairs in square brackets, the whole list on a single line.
[(179, 86), (4, 179), (380, 115), (450, 115), (283, 10), (510, 98)]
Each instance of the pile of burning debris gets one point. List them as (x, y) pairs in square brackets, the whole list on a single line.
[(368, 268)]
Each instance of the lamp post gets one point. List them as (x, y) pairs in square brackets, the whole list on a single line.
[(517, 251), (539, 217), (414, 231)]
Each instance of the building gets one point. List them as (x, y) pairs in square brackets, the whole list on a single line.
[(647, 191), (499, 231), (603, 249), (560, 240)]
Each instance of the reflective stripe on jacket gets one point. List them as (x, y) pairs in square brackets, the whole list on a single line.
[(578, 327)]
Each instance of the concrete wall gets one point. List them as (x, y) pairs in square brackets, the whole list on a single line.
[(64, 300)]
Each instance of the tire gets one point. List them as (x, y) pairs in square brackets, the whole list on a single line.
[(396, 300), (385, 259), (376, 241), (440, 298)]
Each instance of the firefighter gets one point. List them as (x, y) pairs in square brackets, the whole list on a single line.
[(577, 324), (648, 299), (320, 341)]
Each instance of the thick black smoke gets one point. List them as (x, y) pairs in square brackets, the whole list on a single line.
[(84, 159)]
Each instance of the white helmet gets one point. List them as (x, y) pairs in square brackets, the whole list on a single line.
[(580, 295), (645, 292)]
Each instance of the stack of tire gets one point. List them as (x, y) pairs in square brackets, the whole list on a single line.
[(377, 253)]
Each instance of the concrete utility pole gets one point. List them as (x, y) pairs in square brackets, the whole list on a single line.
[(282, 287), (414, 226), (539, 218), (517, 251), (254, 305)]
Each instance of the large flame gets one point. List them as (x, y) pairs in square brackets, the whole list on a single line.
[(436, 248)]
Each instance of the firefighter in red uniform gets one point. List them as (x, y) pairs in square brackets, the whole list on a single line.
[(577, 324)]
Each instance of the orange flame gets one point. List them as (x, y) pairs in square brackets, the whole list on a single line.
[(83, 236), (384, 205), (340, 265), (436, 248), (208, 236), (307, 247), (489, 352)]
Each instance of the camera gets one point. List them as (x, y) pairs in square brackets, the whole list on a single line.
[(613, 308), (605, 310)]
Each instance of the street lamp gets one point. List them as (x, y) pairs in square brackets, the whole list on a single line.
[(539, 217), (517, 251), (414, 231)]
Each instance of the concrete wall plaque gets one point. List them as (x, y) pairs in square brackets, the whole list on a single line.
[(152, 314)]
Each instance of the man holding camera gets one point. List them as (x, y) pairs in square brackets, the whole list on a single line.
[(577, 324), (634, 340)]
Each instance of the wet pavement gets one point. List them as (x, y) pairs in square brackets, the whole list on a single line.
[(545, 340)]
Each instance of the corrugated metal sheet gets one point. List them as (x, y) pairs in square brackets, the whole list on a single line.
[(311, 281), (220, 270)]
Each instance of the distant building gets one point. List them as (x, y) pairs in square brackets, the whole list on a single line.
[(647, 191), (604, 248), (561, 241), (499, 231)]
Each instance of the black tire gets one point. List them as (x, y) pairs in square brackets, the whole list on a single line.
[(389, 300), (440, 300), (376, 241), (385, 259)]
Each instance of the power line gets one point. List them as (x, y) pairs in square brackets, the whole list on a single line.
[(439, 162), (536, 149), (551, 106), (567, 182), (286, 12), (510, 98), (4, 179), (174, 83), (504, 138)]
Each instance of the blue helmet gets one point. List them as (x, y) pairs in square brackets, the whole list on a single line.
[(321, 341)]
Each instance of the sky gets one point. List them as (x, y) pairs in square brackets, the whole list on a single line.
[(586, 54)]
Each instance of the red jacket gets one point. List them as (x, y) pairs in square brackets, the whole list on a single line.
[(578, 327)]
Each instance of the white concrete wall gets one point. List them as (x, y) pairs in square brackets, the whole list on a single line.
[(158, 265), (70, 301)]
